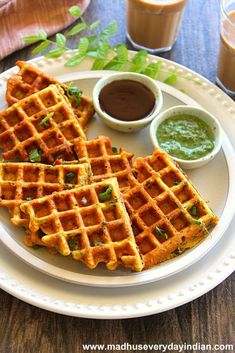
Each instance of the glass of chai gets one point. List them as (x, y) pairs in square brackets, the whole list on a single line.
[(226, 65), (153, 25)]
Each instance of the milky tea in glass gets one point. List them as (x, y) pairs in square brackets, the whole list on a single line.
[(153, 24), (226, 63)]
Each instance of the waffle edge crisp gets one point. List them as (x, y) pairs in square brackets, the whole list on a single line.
[(44, 122), (80, 222), (30, 80), (167, 213), (21, 182)]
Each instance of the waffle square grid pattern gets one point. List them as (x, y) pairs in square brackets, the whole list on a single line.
[(82, 221), (23, 128), (167, 213), (30, 80), (20, 182), (105, 161)]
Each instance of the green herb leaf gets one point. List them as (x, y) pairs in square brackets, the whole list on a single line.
[(73, 243), (103, 50), (152, 70), (76, 29), (92, 39), (106, 195), (76, 59), (114, 64), (122, 53), (55, 53), (31, 39), (194, 211), (161, 233), (198, 222), (83, 46), (42, 46), (29, 198), (93, 25), (44, 121), (75, 11), (97, 243), (114, 149), (176, 182), (99, 64), (109, 31), (74, 94), (70, 177), (171, 80), (35, 156), (60, 40), (42, 34), (138, 61)]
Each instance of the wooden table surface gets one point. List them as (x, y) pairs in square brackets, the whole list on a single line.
[(208, 319)]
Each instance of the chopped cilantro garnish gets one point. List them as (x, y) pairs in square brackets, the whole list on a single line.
[(29, 198), (161, 233), (44, 121), (73, 243), (35, 155), (74, 94), (194, 211), (97, 243), (70, 177), (106, 195), (199, 223), (114, 149), (176, 182)]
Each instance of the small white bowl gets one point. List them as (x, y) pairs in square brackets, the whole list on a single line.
[(127, 126), (199, 113)]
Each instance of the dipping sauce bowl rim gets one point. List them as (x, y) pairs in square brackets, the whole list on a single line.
[(145, 80), (199, 113)]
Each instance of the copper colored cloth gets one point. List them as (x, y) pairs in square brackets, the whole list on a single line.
[(19, 18)]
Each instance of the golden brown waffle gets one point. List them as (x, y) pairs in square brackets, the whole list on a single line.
[(20, 182), (30, 80), (41, 128), (105, 161), (167, 213), (90, 221)]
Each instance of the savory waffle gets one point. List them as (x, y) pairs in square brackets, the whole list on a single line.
[(105, 161), (167, 213), (20, 182), (40, 128), (30, 80), (90, 222)]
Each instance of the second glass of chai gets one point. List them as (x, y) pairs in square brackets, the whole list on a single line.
[(226, 64)]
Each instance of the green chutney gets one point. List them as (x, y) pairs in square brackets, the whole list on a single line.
[(185, 136)]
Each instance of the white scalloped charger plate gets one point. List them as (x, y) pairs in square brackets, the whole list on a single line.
[(52, 294)]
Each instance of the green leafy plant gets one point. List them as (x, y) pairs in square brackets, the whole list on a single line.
[(96, 45)]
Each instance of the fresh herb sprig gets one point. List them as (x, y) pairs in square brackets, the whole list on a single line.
[(74, 94), (96, 45)]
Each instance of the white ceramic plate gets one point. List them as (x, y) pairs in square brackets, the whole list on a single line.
[(221, 202), (211, 98)]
